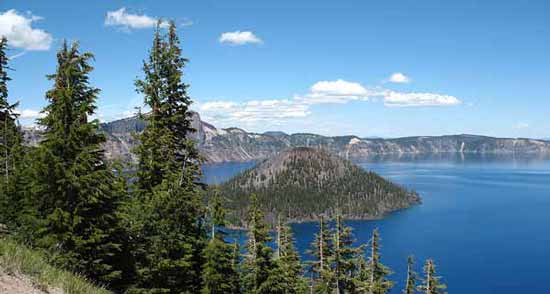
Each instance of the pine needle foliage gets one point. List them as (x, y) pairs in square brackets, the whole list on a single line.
[(258, 263), (431, 284), (11, 148), (410, 282), (166, 217), (72, 209), (219, 274)]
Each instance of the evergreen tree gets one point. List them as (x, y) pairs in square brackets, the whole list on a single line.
[(165, 146), (361, 278), (288, 261), (219, 272), (431, 283), (258, 264), (345, 257), (176, 108), (75, 195), (11, 149), (172, 235), (219, 275), (151, 153), (276, 282), (376, 271), (410, 283), (236, 263), (217, 214), (322, 249), (168, 211)]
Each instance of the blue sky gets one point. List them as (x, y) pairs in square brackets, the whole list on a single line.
[(369, 68)]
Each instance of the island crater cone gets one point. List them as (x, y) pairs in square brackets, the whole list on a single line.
[(301, 184)]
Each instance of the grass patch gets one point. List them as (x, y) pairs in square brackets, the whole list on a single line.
[(19, 259)]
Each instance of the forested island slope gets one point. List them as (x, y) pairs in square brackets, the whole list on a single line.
[(304, 183)]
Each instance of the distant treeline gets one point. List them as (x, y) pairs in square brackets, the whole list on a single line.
[(155, 234)]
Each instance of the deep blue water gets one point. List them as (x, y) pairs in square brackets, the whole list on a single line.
[(484, 220), (220, 172)]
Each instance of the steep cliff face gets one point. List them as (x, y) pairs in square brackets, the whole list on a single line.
[(233, 144), (121, 135), (237, 145)]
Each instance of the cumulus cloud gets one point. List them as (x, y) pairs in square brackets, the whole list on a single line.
[(239, 38), (323, 92), (254, 111), (17, 28), (338, 91), (399, 78), (29, 114), (339, 88), (121, 18), (403, 99)]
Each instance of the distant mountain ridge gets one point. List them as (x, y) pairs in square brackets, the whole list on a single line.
[(237, 145), (304, 183)]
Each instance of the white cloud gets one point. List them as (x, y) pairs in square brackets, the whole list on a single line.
[(187, 23), (338, 91), (402, 99), (521, 125), (29, 114), (218, 105), (122, 18), (399, 78), (18, 30), (322, 92), (123, 109), (276, 110), (239, 38), (254, 111), (339, 87), (107, 117)]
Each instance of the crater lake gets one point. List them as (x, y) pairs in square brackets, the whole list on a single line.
[(484, 219)]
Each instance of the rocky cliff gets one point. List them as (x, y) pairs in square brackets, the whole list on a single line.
[(234, 144)]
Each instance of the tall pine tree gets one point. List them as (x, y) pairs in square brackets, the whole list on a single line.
[(322, 249), (410, 283), (258, 263), (219, 272), (11, 149), (72, 209), (288, 261), (376, 271), (151, 152), (345, 257), (431, 283), (167, 214)]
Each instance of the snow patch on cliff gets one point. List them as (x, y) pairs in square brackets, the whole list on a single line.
[(354, 141)]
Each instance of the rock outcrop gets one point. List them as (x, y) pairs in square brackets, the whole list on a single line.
[(234, 144)]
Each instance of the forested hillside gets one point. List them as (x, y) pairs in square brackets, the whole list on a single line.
[(304, 183)]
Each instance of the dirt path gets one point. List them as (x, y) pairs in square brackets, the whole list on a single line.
[(17, 284)]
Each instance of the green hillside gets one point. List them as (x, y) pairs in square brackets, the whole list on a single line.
[(31, 270), (303, 183)]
